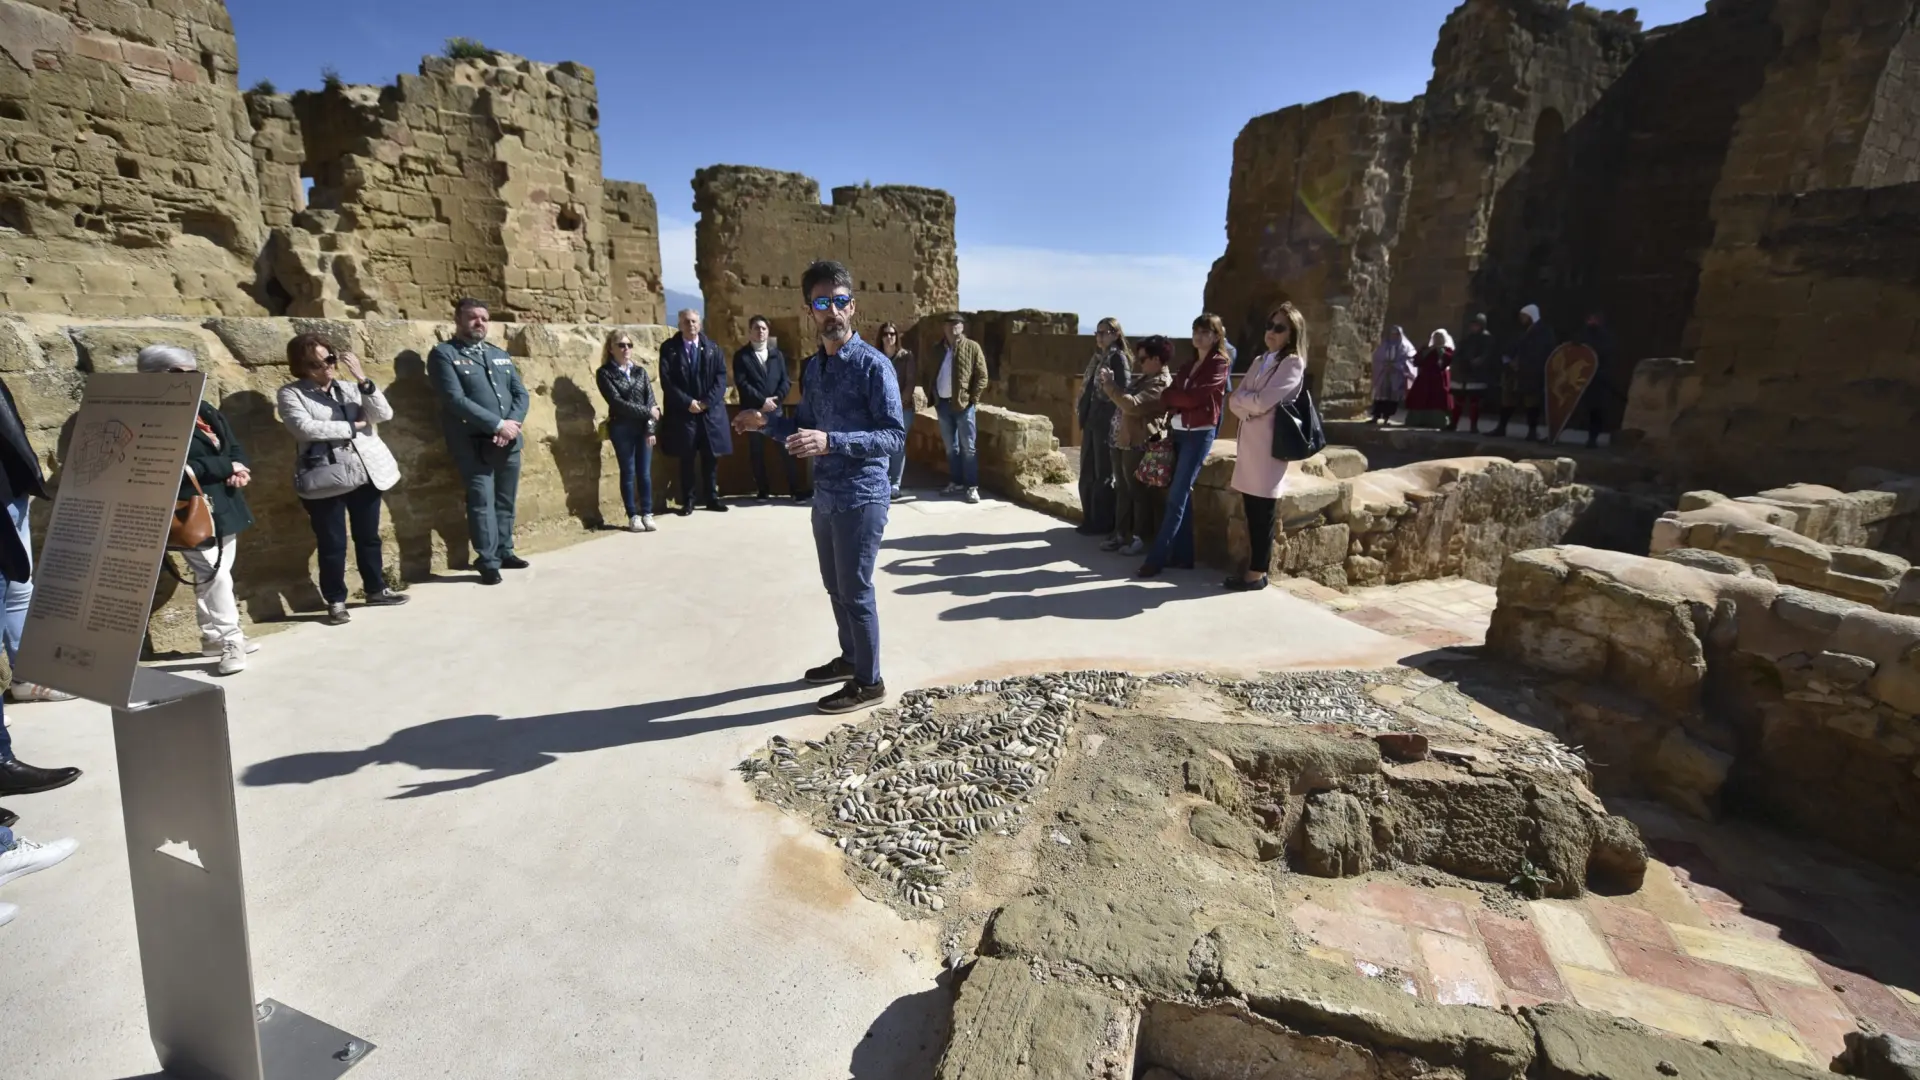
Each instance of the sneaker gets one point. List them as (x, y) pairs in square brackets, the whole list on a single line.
[(218, 647), (973, 494), (646, 523), (513, 562), (1112, 543), (853, 696), (633, 524), (387, 598), (22, 692), (1134, 548), (839, 669), (337, 614), (896, 496), (30, 856), (952, 489), (7, 912), (233, 657)]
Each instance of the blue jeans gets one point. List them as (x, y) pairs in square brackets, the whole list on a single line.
[(897, 465), (1174, 545), (630, 449), (19, 593), (957, 431), (848, 543)]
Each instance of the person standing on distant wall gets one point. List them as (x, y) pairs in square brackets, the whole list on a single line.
[(1604, 391), (1524, 371), (1096, 433), (958, 384), (760, 374), (693, 376), (850, 419), (1474, 374), (483, 404)]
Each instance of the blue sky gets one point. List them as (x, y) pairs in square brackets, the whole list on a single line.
[(1088, 145)]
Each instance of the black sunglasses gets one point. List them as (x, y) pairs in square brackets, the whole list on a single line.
[(838, 303), (623, 344), (1279, 327)]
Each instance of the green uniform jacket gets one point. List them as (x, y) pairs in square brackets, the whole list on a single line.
[(478, 386), (211, 466)]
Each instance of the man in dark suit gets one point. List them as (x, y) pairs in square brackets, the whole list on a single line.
[(20, 482), (693, 376), (482, 405), (760, 374)]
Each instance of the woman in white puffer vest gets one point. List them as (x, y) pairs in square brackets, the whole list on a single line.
[(340, 466)]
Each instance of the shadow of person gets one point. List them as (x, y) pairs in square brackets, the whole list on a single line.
[(431, 497), (495, 748), (577, 450), (968, 541), (1029, 581), (1122, 601), (907, 1039)]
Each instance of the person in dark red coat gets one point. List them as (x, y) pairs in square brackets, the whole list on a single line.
[(1194, 403), (1430, 398)]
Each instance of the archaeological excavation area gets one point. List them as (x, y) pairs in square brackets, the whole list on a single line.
[(1538, 759)]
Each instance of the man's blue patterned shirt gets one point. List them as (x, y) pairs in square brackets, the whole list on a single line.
[(853, 398)]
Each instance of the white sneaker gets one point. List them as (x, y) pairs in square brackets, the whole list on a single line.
[(30, 856), (22, 692), (7, 912), (646, 523), (952, 489), (218, 647), (634, 524), (973, 494), (1134, 547), (233, 658)]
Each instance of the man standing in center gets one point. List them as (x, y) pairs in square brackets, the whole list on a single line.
[(760, 374), (482, 405), (959, 382), (850, 418), (693, 373)]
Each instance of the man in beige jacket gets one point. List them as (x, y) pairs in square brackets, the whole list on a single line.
[(959, 381)]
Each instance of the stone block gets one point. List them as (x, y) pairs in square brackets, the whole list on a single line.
[(1344, 462), (1867, 563), (1810, 610), (1696, 500), (1007, 1025), (1843, 669), (114, 348), (1313, 549), (1689, 774)]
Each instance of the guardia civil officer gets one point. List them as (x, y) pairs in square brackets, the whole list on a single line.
[(482, 405)]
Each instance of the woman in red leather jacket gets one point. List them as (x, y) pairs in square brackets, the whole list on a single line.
[(1194, 402)]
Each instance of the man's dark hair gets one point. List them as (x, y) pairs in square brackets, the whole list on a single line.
[(1158, 347), (761, 319), (825, 272), (466, 304)]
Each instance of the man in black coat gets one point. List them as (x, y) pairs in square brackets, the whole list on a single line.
[(1604, 391), (20, 481), (693, 377), (760, 374)]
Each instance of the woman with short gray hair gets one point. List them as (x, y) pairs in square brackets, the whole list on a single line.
[(217, 466)]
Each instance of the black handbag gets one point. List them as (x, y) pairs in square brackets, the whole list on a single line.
[(1297, 434), (326, 469)]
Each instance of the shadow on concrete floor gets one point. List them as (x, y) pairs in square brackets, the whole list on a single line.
[(906, 1041), (495, 748), (977, 565)]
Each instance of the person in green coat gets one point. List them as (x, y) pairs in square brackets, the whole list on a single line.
[(482, 405), (219, 464)]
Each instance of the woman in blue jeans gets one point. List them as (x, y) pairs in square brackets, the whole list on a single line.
[(1193, 401), (631, 412)]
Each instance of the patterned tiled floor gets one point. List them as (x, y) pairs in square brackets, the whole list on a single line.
[(1438, 614), (1738, 934)]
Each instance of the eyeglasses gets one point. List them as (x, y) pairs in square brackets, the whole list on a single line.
[(838, 303), (1279, 327), (331, 361), (623, 344)]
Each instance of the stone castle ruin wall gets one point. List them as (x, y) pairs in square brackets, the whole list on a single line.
[(137, 179), (759, 229)]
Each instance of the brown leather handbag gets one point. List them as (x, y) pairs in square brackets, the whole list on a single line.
[(192, 526)]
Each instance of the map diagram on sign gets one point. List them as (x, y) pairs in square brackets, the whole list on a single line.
[(98, 449)]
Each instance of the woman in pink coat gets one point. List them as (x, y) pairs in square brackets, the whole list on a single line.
[(1257, 475)]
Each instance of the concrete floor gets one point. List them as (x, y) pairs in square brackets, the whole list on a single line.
[(495, 831)]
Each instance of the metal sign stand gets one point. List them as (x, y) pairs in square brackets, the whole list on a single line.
[(189, 904)]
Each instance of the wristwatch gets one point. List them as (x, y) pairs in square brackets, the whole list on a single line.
[(367, 387)]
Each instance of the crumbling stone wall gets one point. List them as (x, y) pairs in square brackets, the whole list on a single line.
[(1755, 694), (1804, 340), (476, 177), (1316, 201), (126, 179), (569, 483), (633, 236), (759, 229), (1510, 78)]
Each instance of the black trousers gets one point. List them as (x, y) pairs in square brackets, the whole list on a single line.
[(1259, 531), (709, 489), (759, 448), (330, 517)]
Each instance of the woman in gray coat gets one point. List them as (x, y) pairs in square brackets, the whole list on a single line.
[(334, 421)]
